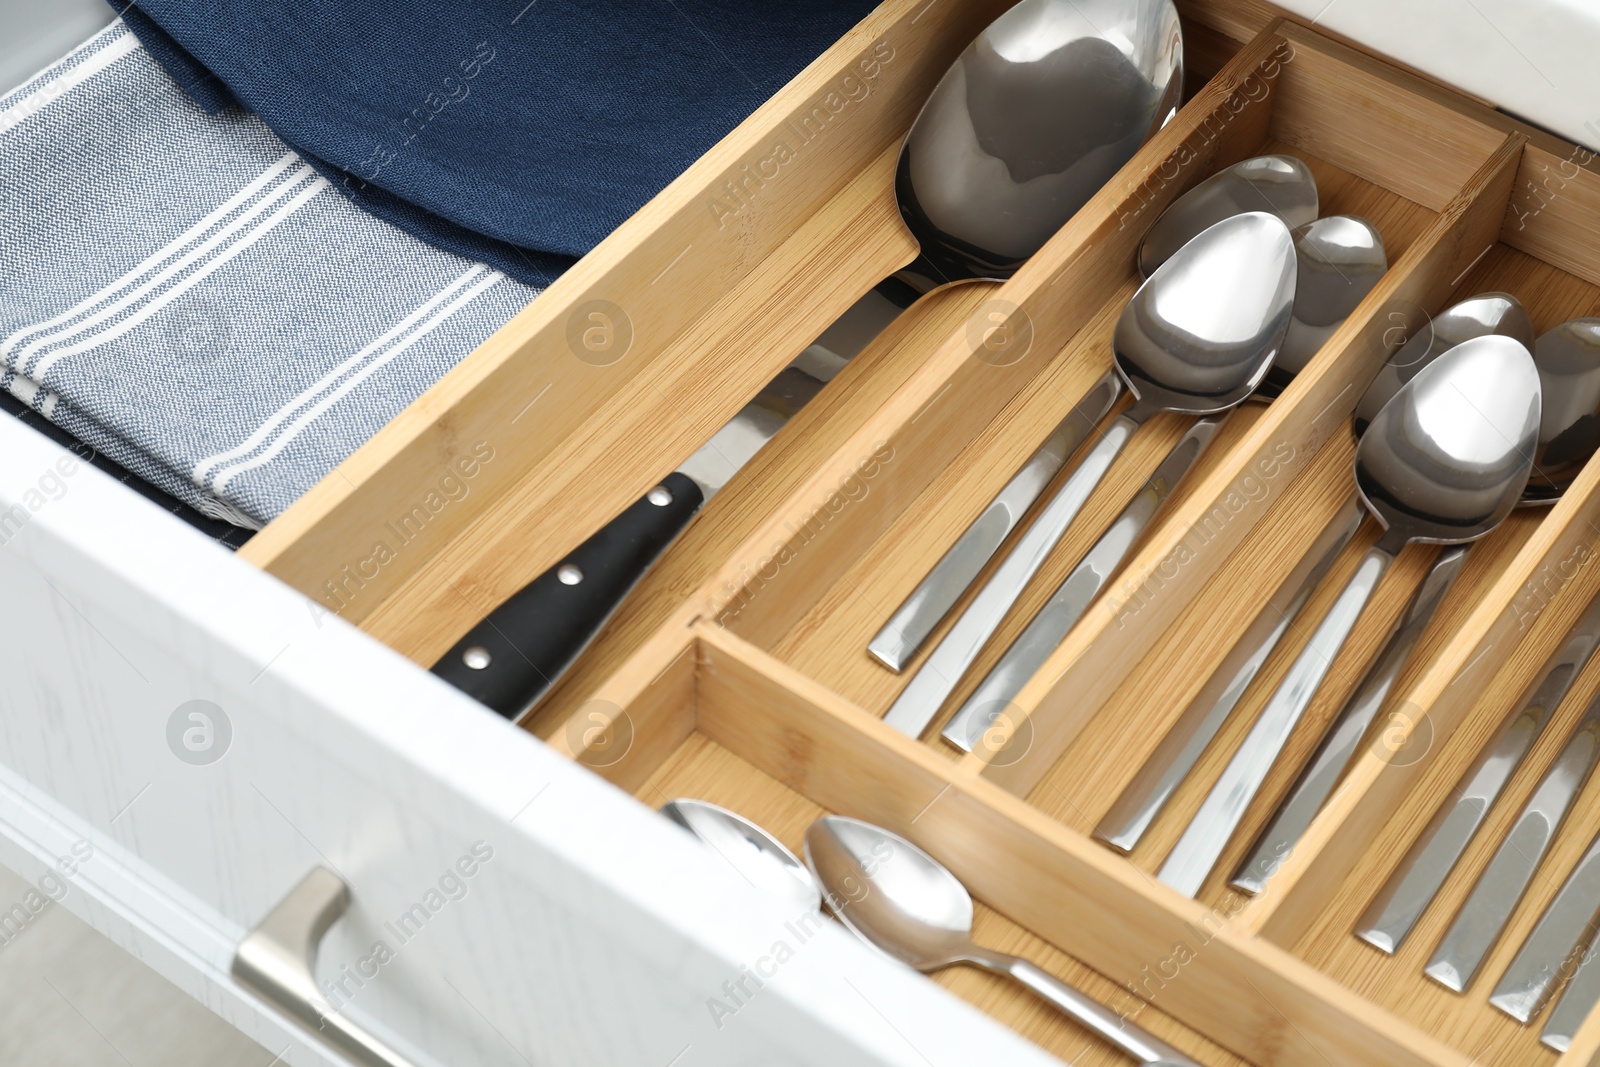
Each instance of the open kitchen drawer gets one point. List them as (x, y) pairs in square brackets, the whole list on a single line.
[(738, 672)]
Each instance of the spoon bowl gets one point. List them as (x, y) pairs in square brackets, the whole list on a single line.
[(761, 858), (1339, 260), (1278, 185), (1568, 358), (1484, 315), (1447, 459), (1034, 116), (905, 903), (1200, 334)]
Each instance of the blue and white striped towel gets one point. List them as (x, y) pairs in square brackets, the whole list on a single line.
[(183, 293)]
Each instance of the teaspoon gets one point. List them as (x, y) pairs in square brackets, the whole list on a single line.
[(909, 906), (749, 849), (1445, 461), (1197, 338)]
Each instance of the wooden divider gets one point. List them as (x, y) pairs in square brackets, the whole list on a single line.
[(1179, 558), (731, 249), (707, 647), (1172, 953)]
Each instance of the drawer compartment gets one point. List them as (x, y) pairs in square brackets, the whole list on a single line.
[(752, 685), (737, 670)]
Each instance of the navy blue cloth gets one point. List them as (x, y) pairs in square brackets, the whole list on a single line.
[(512, 132)]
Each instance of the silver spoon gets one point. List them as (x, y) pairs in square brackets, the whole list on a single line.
[(752, 851), (1025, 127), (1569, 434), (1197, 338), (1280, 185), (914, 910), (1338, 261), (1486, 314), (1445, 462)]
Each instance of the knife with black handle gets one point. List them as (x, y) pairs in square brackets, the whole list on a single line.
[(512, 658)]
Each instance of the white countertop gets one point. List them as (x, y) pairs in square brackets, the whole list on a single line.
[(1536, 59)]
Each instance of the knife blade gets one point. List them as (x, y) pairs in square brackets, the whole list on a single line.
[(1557, 946), (1408, 892), (1477, 926), (512, 657)]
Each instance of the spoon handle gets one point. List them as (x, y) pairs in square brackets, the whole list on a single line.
[(1213, 825), (936, 594), (1342, 742), (920, 701), (1125, 824), (971, 725), (1135, 1040), (1411, 888)]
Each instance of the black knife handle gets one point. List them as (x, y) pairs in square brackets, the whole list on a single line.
[(509, 659)]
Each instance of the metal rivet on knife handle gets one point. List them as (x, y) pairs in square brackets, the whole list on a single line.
[(1414, 883), (908, 628), (1499, 889), (1557, 945), (1138, 805), (1343, 741)]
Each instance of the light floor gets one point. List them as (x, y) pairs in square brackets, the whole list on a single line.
[(70, 998)]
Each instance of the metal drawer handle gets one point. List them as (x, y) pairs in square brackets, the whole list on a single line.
[(277, 960)]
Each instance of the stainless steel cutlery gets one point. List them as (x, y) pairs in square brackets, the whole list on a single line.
[(1444, 461), (898, 899), (1200, 355), (1394, 912)]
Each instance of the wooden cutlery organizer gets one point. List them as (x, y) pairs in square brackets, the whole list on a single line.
[(738, 671)]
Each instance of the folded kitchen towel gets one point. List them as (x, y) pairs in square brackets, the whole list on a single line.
[(514, 132), (185, 294)]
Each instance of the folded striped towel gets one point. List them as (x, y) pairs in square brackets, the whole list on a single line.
[(185, 294)]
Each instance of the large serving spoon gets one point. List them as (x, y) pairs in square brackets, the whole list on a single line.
[(1197, 338), (1049, 101), (1444, 462), (1034, 116), (914, 910), (1338, 261), (749, 849), (1123, 826)]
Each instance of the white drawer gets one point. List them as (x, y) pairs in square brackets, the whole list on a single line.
[(589, 932)]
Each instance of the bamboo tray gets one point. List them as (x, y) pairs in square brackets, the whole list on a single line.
[(738, 672)]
